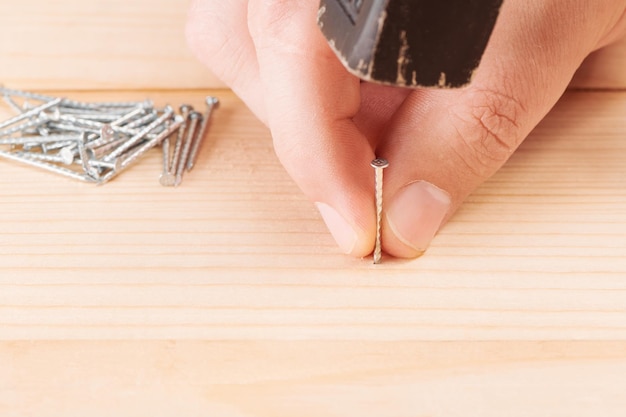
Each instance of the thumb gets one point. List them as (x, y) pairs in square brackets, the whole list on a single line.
[(444, 143)]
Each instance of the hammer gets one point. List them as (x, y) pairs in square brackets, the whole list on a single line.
[(409, 43)]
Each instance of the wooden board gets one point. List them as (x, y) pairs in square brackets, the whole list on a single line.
[(115, 44), (236, 252), (312, 379), (139, 44)]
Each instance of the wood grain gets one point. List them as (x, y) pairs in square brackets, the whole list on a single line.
[(139, 44), (537, 253), (114, 44), (312, 378)]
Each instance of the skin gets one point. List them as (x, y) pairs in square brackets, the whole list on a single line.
[(441, 144)]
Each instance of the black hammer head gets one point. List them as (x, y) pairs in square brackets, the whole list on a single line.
[(409, 43)]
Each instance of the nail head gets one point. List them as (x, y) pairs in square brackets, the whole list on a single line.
[(380, 163)]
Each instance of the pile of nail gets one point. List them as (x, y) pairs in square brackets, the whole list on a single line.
[(96, 141)]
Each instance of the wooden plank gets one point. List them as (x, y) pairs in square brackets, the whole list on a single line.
[(71, 44), (236, 252), (312, 378)]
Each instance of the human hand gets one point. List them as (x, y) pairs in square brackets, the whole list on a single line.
[(327, 125)]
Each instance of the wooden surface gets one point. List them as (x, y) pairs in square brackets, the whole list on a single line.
[(113, 44), (538, 252), (312, 379), (227, 296), (140, 44)]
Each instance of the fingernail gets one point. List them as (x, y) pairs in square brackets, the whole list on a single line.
[(415, 213), (342, 231)]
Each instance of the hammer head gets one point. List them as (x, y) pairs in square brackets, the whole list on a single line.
[(409, 43)]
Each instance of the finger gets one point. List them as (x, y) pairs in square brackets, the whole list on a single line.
[(443, 144), (217, 32), (310, 100)]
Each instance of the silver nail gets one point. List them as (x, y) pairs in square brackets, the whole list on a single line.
[(185, 109), (212, 103), (167, 179), (84, 157), (30, 113), (128, 116), (52, 158), (45, 166), (194, 118), (379, 164), (140, 135), (142, 121), (129, 159)]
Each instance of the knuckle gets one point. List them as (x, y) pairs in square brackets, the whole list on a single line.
[(272, 19), (488, 130)]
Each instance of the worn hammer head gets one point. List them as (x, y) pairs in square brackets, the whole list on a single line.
[(409, 43)]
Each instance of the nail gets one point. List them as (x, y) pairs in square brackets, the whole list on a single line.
[(167, 114), (142, 121), (41, 119), (166, 179), (378, 164), (212, 103), (194, 118), (84, 157), (185, 110), (30, 113), (55, 159), (415, 213), (131, 158), (342, 231), (128, 116), (46, 166)]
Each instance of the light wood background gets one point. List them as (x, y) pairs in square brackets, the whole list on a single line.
[(227, 296), (112, 44)]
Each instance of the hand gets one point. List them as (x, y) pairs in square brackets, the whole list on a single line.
[(327, 125)]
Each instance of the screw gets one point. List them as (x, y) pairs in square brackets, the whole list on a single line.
[(211, 104), (378, 164)]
